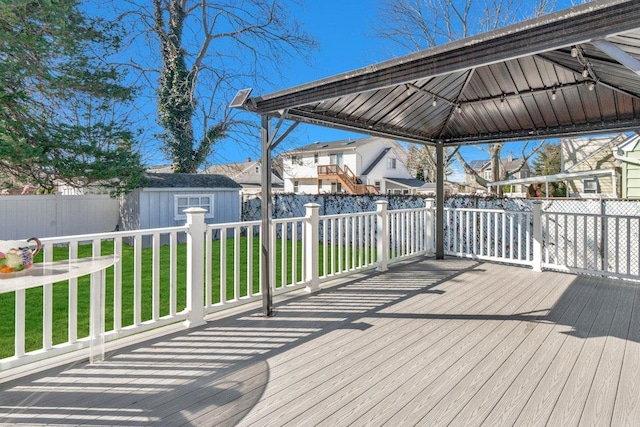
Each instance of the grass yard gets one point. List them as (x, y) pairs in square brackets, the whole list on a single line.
[(34, 297)]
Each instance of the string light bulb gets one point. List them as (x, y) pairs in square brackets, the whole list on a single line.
[(459, 108), (585, 72), (553, 94), (434, 103), (592, 86), (574, 52), (502, 101)]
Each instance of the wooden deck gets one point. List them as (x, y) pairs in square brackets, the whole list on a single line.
[(452, 342)]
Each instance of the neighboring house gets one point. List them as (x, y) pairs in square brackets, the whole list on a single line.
[(249, 175), (160, 169), (628, 154), (511, 168), (356, 166), (163, 197), (591, 154)]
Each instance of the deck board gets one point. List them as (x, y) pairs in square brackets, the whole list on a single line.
[(449, 342)]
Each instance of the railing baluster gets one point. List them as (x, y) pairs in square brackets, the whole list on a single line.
[(72, 316), (155, 292), (208, 269), (20, 322), (236, 262), (137, 280), (249, 260), (173, 273), (294, 252), (222, 286), (47, 302)]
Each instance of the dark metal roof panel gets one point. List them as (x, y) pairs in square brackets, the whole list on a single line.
[(519, 82)]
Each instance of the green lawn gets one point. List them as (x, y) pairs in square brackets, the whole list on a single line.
[(34, 297)]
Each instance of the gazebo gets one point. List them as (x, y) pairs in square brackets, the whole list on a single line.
[(573, 72)]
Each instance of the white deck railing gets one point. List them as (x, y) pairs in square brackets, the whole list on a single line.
[(184, 273)]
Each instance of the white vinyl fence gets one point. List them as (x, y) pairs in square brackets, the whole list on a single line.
[(56, 215)]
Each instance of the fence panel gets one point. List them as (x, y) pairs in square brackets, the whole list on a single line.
[(56, 215)]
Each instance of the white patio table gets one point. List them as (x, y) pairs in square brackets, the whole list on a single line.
[(51, 272)]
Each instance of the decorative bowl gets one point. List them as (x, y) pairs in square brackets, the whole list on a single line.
[(17, 255)]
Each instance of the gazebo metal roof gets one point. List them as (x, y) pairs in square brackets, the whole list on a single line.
[(572, 72)]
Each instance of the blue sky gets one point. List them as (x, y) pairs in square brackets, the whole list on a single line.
[(344, 31)]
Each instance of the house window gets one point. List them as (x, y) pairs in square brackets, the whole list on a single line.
[(391, 163), (377, 185), (294, 160), (487, 174), (296, 186), (315, 158), (590, 185), (185, 201)]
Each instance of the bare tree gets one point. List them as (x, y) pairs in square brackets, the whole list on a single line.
[(200, 53), (420, 24)]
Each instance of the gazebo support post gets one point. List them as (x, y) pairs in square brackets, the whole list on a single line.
[(439, 200), (265, 176)]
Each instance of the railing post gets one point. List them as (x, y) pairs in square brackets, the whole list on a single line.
[(382, 235), (196, 228), (537, 236), (311, 261), (428, 228)]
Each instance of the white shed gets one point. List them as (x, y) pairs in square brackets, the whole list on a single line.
[(163, 197)]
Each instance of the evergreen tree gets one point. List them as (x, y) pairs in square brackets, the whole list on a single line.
[(547, 162), (62, 108)]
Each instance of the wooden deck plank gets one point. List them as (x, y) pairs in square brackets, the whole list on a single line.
[(377, 387), (368, 377), (373, 348), (162, 407), (508, 395), (403, 388), (543, 399), (598, 409), (471, 400), (455, 342), (304, 367), (498, 341), (571, 402), (627, 406)]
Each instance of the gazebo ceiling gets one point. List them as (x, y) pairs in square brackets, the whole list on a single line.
[(572, 72)]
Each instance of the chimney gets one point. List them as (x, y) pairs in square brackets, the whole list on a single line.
[(248, 159)]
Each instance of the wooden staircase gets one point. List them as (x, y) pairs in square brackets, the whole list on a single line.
[(347, 178)]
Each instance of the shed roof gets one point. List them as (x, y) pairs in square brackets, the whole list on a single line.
[(187, 180), (568, 73)]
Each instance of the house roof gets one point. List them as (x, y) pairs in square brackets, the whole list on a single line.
[(230, 169), (409, 182), (520, 82), (508, 165), (376, 161), (333, 145), (187, 180), (242, 173), (478, 164)]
